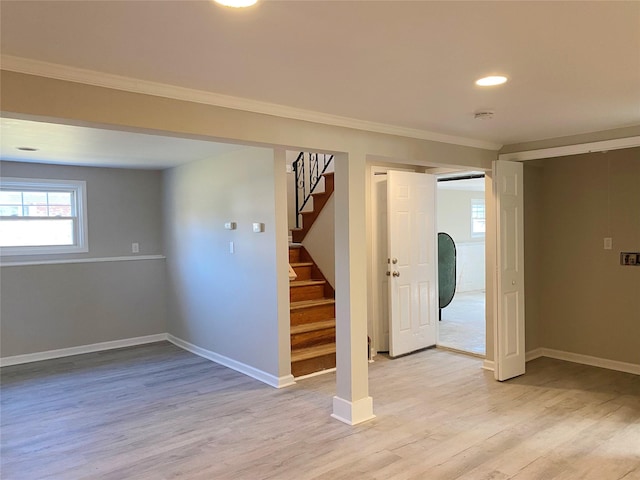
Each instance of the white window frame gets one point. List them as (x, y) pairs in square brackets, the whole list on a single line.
[(79, 189), (474, 202)]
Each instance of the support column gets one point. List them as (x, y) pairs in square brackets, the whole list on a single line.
[(282, 267), (352, 403)]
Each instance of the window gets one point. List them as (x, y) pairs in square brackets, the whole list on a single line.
[(40, 216), (478, 217)]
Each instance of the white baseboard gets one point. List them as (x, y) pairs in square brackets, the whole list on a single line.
[(94, 347), (584, 359), (488, 365), (353, 413), (315, 374), (533, 354), (272, 380)]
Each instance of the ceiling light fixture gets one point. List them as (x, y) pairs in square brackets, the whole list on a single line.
[(27, 149), (491, 81), (484, 115), (237, 3)]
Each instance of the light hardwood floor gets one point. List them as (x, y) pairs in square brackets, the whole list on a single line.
[(463, 323), (157, 412)]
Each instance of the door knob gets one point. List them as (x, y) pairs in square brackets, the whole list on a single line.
[(394, 261), (396, 274)]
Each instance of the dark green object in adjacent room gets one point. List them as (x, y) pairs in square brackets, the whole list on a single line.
[(446, 270)]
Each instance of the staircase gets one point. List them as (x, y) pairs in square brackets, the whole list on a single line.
[(310, 168), (309, 217), (313, 312)]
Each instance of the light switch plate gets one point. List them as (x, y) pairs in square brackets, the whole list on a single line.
[(608, 243)]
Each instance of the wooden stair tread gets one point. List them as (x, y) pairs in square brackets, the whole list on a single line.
[(312, 352), (310, 327), (311, 303), (301, 264), (306, 283)]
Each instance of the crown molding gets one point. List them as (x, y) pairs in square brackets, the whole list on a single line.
[(117, 82), (601, 146)]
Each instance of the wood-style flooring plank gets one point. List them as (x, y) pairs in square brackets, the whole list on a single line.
[(158, 412)]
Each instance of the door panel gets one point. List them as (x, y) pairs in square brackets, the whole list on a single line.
[(510, 359), (412, 263)]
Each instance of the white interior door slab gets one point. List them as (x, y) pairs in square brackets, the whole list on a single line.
[(380, 311), (412, 243), (510, 347)]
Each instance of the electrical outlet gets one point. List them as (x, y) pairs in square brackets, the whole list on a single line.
[(135, 247), (232, 247), (608, 243)]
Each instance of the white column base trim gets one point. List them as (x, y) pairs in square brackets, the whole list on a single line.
[(488, 365), (353, 413), (264, 377), (584, 359), (79, 350)]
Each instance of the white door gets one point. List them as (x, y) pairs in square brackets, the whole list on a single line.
[(412, 267), (510, 354), (380, 311)]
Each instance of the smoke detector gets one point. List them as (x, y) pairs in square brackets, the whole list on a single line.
[(484, 115)]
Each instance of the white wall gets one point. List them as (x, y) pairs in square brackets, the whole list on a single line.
[(227, 303), (320, 241), (454, 218)]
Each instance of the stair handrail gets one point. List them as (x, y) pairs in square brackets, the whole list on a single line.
[(307, 176)]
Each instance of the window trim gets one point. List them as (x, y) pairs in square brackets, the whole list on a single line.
[(79, 187), (474, 202)]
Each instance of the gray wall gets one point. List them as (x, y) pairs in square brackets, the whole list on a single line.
[(222, 302), (49, 307), (579, 298), (123, 206)]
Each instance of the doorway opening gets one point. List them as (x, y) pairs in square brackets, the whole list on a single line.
[(461, 214)]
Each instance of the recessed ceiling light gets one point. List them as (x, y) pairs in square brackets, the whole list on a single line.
[(484, 115), (27, 149), (491, 81), (237, 3)]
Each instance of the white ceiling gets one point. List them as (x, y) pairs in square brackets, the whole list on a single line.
[(466, 185), (574, 66), (73, 145)]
